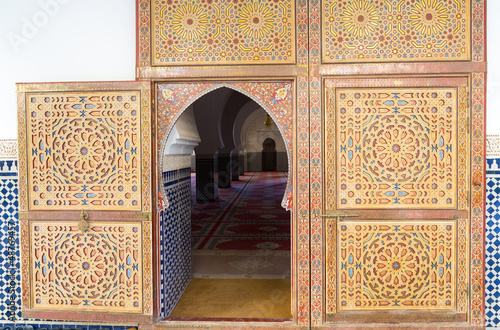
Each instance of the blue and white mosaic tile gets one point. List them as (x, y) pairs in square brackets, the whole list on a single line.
[(492, 262), (175, 237), (27, 325), (10, 277)]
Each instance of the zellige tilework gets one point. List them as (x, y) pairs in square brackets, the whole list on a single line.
[(175, 233), (492, 262), (10, 275)]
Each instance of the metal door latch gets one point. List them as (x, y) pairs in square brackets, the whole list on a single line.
[(83, 225), (338, 215)]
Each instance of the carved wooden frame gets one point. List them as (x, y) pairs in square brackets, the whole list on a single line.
[(284, 118)]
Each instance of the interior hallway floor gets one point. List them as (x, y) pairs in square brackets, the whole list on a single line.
[(245, 232), (235, 299), (240, 253)]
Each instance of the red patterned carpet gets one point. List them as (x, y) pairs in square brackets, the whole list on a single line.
[(247, 216)]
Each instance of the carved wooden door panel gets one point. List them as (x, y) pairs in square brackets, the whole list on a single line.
[(397, 199), (85, 203)]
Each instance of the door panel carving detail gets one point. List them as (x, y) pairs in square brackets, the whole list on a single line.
[(218, 32), (378, 136), (397, 265), (84, 150), (395, 148), (99, 270), (396, 31)]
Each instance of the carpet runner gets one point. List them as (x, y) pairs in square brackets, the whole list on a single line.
[(246, 216)]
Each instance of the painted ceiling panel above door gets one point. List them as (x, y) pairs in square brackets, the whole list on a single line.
[(218, 32), (396, 31)]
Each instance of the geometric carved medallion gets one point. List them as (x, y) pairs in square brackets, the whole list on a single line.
[(396, 30), (396, 148), (222, 32), (84, 150), (397, 265), (99, 270)]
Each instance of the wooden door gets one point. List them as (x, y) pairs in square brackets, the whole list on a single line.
[(397, 199), (85, 201)]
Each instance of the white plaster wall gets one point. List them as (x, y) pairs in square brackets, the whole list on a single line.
[(94, 40), (181, 142), (62, 40), (184, 136), (493, 78)]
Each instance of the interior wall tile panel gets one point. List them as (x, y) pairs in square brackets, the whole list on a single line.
[(10, 265), (492, 263), (175, 238)]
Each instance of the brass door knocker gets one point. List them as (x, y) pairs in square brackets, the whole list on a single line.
[(83, 225)]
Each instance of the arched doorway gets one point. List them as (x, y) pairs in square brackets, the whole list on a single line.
[(165, 219), (269, 158)]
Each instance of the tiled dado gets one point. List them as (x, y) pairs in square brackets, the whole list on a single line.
[(175, 238), (492, 262), (10, 284), (26, 324)]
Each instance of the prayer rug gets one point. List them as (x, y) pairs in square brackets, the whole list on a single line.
[(246, 216)]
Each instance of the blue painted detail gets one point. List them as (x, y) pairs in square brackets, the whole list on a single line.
[(492, 243), (10, 263), (175, 238)]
